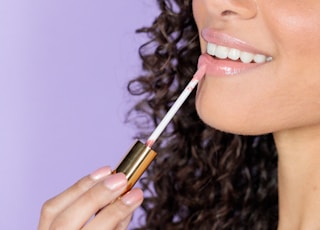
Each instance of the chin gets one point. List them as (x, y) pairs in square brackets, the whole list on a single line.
[(230, 121)]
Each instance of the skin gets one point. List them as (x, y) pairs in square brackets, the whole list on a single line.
[(279, 97), (285, 86), (95, 198)]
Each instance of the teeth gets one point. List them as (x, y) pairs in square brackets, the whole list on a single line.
[(211, 48), (259, 58), (246, 57), (221, 52), (269, 59), (224, 52), (234, 54)]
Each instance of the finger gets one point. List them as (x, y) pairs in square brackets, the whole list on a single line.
[(116, 213), (123, 225), (90, 202), (57, 204)]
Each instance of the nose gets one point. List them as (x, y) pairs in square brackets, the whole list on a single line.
[(225, 9)]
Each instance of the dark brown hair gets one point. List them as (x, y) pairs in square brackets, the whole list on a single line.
[(202, 178)]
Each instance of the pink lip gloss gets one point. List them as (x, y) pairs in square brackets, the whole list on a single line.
[(140, 155), (225, 67)]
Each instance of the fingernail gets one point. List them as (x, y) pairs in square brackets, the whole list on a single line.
[(100, 173), (132, 197), (115, 181)]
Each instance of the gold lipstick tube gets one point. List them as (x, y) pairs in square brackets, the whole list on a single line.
[(137, 160)]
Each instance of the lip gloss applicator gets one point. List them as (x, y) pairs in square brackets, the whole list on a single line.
[(140, 155)]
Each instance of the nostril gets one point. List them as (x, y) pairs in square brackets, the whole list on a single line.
[(227, 13)]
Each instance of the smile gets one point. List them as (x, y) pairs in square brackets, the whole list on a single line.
[(223, 52)]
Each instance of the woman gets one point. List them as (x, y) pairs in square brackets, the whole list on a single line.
[(251, 160)]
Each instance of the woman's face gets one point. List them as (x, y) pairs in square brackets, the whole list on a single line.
[(281, 89)]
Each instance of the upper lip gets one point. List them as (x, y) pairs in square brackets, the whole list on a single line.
[(223, 39)]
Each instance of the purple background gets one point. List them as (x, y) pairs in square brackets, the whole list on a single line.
[(64, 65)]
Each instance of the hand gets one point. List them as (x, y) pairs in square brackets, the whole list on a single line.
[(92, 203)]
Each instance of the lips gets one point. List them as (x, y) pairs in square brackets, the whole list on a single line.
[(226, 55)]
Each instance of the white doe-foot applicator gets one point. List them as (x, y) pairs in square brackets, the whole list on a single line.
[(140, 155)]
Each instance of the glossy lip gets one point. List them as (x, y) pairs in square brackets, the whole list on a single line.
[(226, 67), (223, 39)]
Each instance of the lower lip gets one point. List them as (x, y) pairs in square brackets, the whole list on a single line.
[(225, 67)]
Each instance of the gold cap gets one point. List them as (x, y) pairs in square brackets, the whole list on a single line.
[(136, 162)]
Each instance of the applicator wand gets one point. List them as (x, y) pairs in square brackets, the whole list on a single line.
[(140, 155)]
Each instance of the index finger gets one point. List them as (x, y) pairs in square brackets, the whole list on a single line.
[(57, 204)]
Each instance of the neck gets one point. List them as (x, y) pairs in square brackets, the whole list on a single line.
[(299, 178)]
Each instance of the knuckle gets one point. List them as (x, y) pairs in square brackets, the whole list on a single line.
[(49, 209), (98, 196), (124, 223), (93, 197), (84, 184), (122, 210)]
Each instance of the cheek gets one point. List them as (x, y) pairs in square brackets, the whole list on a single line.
[(294, 26), (295, 30), (197, 11)]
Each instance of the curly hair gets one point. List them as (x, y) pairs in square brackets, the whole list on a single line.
[(202, 178)]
